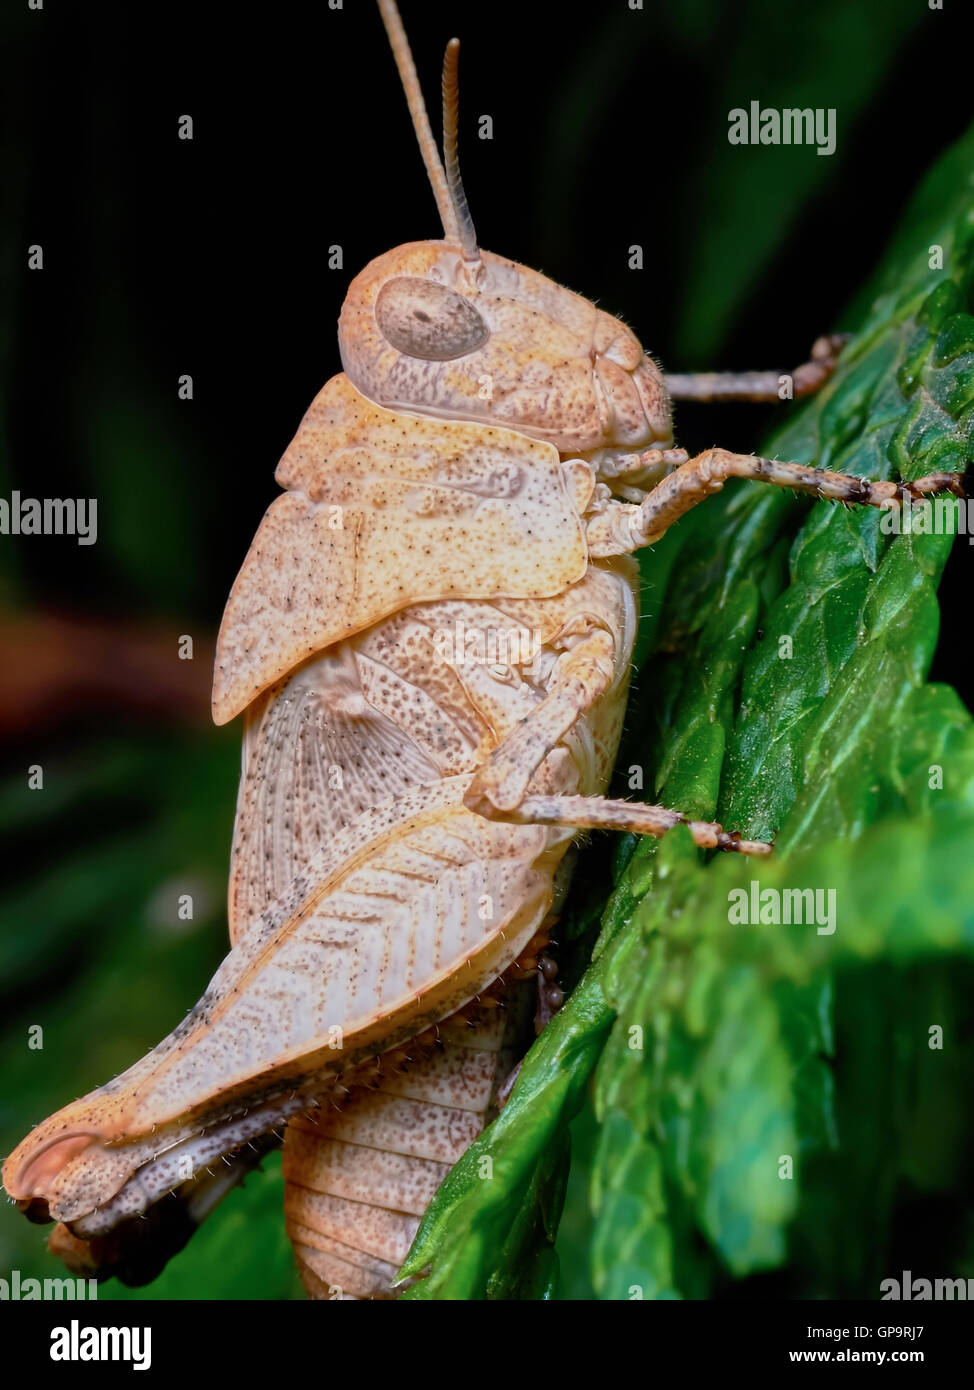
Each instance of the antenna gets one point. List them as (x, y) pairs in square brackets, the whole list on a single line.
[(451, 107), (417, 109)]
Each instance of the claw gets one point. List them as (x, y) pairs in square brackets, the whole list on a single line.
[(934, 483), (812, 375), (828, 347), (731, 842)]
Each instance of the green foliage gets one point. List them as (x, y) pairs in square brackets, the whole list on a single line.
[(88, 945), (784, 692)]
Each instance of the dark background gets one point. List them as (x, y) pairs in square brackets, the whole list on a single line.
[(209, 257)]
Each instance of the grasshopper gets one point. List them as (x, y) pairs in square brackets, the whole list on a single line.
[(492, 455)]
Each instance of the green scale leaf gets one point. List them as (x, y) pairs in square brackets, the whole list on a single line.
[(757, 1088)]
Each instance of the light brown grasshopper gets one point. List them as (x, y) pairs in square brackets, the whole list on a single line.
[(430, 641)]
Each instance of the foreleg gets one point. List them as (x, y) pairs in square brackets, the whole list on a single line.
[(621, 528), (811, 376)]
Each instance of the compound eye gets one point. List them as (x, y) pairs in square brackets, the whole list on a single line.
[(424, 319)]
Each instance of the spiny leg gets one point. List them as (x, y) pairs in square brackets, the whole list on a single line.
[(499, 789), (550, 1000), (706, 474), (602, 813), (621, 528), (582, 675), (811, 376)]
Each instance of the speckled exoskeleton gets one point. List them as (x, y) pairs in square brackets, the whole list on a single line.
[(430, 643)]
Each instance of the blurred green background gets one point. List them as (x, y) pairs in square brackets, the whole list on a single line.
[(164, 257)]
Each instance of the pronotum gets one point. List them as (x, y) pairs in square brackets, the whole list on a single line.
[(430, 641)]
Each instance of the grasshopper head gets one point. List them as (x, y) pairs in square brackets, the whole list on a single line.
[(427, 329), (442, 328)]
